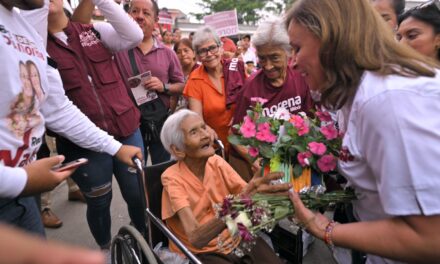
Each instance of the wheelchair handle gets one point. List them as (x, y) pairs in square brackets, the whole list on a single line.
[(137, 162)]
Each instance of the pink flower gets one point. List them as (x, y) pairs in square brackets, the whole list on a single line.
[(303, 130), (327, 163), (329, 131), (259, 100), (324, 116), (317, 148), (264, 133), (248, 128), (296, 121), (253, 152), (301, 126), (303, 158)]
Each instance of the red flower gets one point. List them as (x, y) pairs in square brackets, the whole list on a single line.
[(244, 233), (317, 148), (303, 158), (329, 131), (324, 116), (327, 163)]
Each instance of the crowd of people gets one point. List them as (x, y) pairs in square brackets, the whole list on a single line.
[(74, 78)]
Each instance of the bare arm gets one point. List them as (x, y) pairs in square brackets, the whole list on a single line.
[(413, 239), (199, 235), (195, 105), (17, 247), (83, 12)]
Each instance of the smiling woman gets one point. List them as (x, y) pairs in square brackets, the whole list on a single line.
[(280, 85), (212, 89), (390, 167)]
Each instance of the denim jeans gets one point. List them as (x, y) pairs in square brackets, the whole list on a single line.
[(95, 179), (23, 213)]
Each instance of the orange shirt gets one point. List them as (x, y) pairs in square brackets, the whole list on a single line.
[(183, 189), (215, 113)]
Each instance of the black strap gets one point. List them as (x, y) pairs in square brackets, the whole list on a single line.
[(52, 63), (134, 67)]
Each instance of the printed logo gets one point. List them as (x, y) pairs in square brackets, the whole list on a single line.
[(88, 38), (292, 105), (21, 43)]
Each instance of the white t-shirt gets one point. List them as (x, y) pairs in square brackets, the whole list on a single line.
[(393, 132), (249, 55), (32, 98)]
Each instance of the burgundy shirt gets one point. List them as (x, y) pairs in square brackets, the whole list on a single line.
[(160, 60), (294, 95)]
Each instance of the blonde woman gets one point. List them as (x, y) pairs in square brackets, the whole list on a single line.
[(389, 96)]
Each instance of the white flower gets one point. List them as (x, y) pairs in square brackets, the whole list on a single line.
[(302, 114), (243, 219), (282, 114), (231, 224), (307, 162)]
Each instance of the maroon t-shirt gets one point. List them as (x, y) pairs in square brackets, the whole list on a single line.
[(294, 95)]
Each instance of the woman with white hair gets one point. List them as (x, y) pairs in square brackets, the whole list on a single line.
[(212, 89), (195, 183), (280, 85)]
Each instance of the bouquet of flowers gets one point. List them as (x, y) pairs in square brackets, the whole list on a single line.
[(294, 144), (246, 216)]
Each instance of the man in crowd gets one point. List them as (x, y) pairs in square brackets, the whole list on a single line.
[(166, 76)]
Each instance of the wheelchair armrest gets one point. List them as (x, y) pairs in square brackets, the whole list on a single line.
[(159, 224)]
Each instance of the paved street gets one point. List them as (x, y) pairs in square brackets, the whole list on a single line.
[(76, 231)]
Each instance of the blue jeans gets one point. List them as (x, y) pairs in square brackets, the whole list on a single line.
[(23, 213), (95, 181)]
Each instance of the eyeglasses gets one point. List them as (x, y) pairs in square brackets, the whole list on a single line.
[(211, 49)]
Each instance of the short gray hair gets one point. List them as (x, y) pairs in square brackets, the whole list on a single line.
[(203, 35), (272, 32), (172, 133)]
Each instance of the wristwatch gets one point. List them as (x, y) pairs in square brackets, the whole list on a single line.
[(166, 88)]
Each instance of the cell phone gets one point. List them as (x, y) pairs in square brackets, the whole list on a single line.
[(70, 165)]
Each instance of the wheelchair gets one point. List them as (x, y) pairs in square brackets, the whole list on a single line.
[(129, 246)]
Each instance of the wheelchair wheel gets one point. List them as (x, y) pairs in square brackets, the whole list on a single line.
[(130, 247)]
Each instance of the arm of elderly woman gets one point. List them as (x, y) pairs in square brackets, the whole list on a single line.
[(413, 239), (199, 235)]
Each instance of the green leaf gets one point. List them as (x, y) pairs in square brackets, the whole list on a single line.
[(266, 151), (235, 140), (286, 138), (293, 152), (281, 212), (297, 170)]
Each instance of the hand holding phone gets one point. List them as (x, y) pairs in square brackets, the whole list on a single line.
[(70, 165)]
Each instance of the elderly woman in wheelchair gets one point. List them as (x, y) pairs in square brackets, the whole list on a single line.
[(195, 183)]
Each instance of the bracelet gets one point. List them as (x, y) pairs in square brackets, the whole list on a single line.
[(328, 234)]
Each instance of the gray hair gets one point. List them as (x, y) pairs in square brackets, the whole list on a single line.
[(203, 35), (272, 32), (172, 133)]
